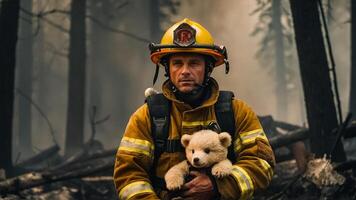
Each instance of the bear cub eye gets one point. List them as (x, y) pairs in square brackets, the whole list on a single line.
[(207, 150), (192, 150)]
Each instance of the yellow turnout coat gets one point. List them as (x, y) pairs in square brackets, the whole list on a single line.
[(255, 160)]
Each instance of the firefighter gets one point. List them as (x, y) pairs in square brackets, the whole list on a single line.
[(190, 101)]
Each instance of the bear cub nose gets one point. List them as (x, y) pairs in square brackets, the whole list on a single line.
[(196, 160)]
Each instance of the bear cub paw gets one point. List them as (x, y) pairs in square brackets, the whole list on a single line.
[(220, 170), (174, 182)]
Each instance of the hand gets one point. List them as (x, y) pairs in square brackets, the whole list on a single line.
[(200, 187)]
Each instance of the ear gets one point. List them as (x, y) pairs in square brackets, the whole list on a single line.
[(225, 139), (185, 140)]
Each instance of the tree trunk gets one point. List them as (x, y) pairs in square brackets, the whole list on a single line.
[(25, 81), (42, 73), (329, 12), (76, 90), (320, 106), (353, 61), (281, 88), (9, 15)]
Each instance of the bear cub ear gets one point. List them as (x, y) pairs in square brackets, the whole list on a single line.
[(185, 140), (225, 139)]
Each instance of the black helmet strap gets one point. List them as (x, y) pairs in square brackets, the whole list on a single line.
[(156, 74)]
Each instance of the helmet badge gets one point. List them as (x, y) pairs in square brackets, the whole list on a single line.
[(184, 35)]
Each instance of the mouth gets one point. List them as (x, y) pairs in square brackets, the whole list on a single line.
[(198, 165), (187, 82)]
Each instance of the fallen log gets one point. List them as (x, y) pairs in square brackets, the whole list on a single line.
[(286, 126), (42, 156), (289, 138), (89, 148), (303, 133), (78, 159), (69, 161), (100, 154), (34, 179), (350, 164)]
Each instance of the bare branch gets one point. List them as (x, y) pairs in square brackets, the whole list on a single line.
[(114, 30), (42, 15), (55, 51), (34, 34), (26, 20), (59, 27), (103, 120), (122, 5), (53, 11), (41, 113), (94, 122)]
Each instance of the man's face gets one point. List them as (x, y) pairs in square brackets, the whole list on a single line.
[(186, 71)]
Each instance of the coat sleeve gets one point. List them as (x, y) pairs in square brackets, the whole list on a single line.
[(253, 169), (134, 159)]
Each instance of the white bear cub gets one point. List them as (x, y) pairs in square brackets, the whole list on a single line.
[(203, 149)]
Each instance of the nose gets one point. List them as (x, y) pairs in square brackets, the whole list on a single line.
[(196, 160), (185, 70)]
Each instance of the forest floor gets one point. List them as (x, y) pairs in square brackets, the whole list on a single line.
[(287, 183), (88, 173)]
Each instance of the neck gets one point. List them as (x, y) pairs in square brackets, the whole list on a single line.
[(195, 97)]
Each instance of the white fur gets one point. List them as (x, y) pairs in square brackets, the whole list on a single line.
[(150, 91), (215, 158)]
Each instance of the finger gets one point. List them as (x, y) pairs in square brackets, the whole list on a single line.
[(187, 194), (187, 186), (191, 183)]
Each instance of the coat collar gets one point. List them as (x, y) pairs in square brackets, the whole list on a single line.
[(213, 86)]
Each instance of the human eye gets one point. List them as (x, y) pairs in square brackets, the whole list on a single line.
[(195, 63), (176, 63)]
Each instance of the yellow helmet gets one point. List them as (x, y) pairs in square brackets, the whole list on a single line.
[(188, 36)]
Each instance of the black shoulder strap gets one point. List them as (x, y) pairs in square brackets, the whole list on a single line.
[(225, 117), (159, 108)]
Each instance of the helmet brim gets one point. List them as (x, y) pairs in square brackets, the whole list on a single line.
[(156, 56)]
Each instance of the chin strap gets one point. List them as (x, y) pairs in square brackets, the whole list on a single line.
[(226, 60), (156, 74), (227, 66)]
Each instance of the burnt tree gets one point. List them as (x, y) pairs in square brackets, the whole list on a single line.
[(279, 60), (353, 61), (320, 106), (42, 71), (9, 15), (76, 90), (24, 80)]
